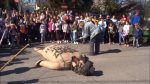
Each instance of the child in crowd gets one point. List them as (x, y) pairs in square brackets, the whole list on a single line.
[(126, 29), (120, 31), (73, 34), (137, 35), (43, 30)]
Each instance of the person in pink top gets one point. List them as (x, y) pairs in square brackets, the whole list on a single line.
[(51, 29)]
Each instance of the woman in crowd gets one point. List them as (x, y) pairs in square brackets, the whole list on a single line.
[(58, 25), (14, 35), (102, 25), (73, 34), (111, 33), (65, 28), (52, 29)]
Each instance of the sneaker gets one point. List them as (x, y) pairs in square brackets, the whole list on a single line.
[(65, 41), (57, 41), (127, 45), (137, 46)]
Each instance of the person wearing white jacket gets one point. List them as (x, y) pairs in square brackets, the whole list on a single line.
[(126, 29), (102, 25), (58, 25), (65, 28), (43, 30)]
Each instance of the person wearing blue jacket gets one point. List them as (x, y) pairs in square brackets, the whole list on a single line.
[(135, 19)]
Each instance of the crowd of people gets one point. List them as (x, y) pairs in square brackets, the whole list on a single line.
[(19, 28)]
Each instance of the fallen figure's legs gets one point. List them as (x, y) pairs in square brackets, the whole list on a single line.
[(48, 64)]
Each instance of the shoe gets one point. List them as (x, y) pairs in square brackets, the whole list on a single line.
[(137, 46), (57, 42), (97, 53), (37, 64), (77, 43), (127, 45)]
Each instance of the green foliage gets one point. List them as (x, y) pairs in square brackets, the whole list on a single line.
[(111, 6), (52, 4), (106, 6), (8, 4), (147, 9), (84, 5), (80, 5)]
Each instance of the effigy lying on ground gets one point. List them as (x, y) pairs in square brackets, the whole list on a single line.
[(60, 57)]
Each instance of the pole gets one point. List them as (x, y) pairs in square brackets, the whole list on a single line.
[(13, 57), (2, 37)]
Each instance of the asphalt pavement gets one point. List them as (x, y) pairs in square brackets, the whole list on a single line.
[(115, 65)]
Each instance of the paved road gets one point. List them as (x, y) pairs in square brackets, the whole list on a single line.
[(116, 65)]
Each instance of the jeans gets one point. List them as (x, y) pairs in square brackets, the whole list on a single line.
[(94, 48), (121, 37), (73, 36), (103, 36), (12, 37), (95, 45), (42, 37), (135, 42)]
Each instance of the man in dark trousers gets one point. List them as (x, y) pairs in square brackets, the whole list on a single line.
[(93, 32)]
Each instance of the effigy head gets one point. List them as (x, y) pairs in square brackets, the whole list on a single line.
[(82, 65)]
